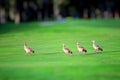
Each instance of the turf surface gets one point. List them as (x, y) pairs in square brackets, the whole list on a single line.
[(49, 61)]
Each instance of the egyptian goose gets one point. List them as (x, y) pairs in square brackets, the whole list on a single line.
[(27, 49), (80, 48), (96, 47), (66, 50)]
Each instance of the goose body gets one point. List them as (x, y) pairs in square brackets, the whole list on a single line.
[(28, 49), (66, 50), (81, 48), (96, 47)]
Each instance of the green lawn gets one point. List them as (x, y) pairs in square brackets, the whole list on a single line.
[(49, 61)]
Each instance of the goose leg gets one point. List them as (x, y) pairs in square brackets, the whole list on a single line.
[(78, 52), (94, 51)]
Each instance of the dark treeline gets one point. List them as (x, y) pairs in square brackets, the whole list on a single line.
[(27, 10)]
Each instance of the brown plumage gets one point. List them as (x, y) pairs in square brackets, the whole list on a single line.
[(81, 48), (96, 47), (66, 50), (28, 49)]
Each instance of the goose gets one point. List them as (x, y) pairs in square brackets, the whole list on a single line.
[(96, 47), (81, 48), (28, 49), (66, 50)]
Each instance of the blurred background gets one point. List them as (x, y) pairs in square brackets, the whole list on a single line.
[(45, 25), (40, 10)]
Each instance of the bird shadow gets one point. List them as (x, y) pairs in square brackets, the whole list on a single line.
[(102, 52), (111, 51), (51, 53), (92, 53)]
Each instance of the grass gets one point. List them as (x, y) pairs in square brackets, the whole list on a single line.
[(49, 61)]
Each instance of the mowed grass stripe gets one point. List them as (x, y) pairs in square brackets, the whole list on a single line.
[(49, 61)]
